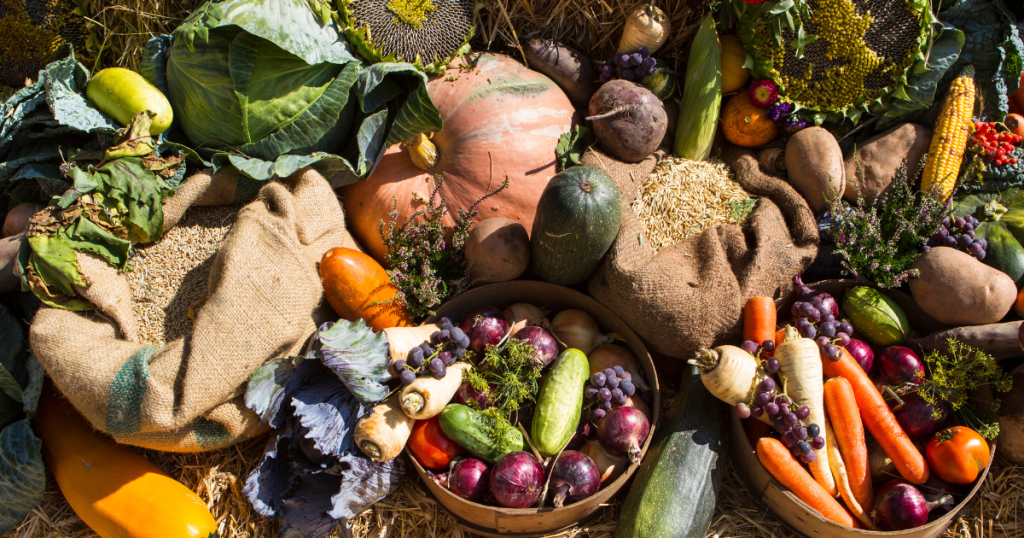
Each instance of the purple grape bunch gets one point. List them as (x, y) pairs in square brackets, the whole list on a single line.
[(606, 390), (799, 436), (631, 67), (446, 346), (959, 233), (813, 320)]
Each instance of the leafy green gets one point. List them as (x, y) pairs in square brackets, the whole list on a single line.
[(919, 93), (955, 374), (358, 357), (571, 147)]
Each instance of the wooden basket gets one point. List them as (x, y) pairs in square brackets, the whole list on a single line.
[(497, 521), (797, 515)]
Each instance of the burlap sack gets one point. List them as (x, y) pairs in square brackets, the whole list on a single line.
[(263, 294), (691, 294)]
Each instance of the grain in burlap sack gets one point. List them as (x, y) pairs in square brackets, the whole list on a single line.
[(691, 293), (263, 293)]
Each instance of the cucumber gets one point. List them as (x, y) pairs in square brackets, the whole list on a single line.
[(559, 402), (469, 429), (676, 489), (875, 316), (122, 93)]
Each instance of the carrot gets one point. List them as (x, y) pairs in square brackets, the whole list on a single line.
[(759, 319), (878, 418), (845, 414), (730, 374), (780, 336), (780, 463), (835, 460), (800, 368)]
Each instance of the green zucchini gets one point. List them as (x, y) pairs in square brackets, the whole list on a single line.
[(560, 402), (470, 430), (676, 489)]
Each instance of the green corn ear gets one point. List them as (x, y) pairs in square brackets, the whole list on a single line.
[(702, 95)]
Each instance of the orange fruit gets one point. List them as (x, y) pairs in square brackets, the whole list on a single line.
[(1018, 305), (734, 75), (746, 125)]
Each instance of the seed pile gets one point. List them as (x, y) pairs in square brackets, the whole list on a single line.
[(682, 198), (171, 275)]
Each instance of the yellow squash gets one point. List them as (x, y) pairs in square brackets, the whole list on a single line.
[(117, 492), (123, 93)]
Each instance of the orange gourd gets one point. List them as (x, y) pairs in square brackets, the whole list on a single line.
[(500, 120), (357, 287), (117, 492), (746, 125)]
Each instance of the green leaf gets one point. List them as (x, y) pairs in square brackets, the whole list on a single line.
[(571, 147), (34, 388), (127, 184), (22, 475), (781, 7)]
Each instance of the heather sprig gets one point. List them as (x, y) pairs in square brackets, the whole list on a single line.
[(879, 239), (426, 267)]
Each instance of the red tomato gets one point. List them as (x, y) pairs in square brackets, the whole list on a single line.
[(431, 447), (958, 454)]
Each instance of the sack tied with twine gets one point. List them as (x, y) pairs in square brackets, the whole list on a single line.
[(262, 303), (691, 294)]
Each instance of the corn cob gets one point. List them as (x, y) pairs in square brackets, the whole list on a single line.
[(702, 95), (950, 138)]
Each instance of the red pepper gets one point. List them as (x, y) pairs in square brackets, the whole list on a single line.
[(431, 447), (958, 454)]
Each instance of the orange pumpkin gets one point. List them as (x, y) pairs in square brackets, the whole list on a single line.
[(500, 119), (746, 125), (117, 492), (357, 287)]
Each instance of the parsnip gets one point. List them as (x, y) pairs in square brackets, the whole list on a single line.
[(427, 396), (835, 461), (730, 374), (800, 368), (401, 340), (383, 433)]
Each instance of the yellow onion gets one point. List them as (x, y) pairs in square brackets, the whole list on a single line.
[(609, 466), (577, 329), (612, 355), (422, 151), (640, 405), (522, 315)]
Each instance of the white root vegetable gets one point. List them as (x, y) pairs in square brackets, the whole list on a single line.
[(612, 355), (383, 433), (401, 340), (427, 396), (522, 315), (730, 374), (647, 26), (835, 461), (578, 329), (800, 368)]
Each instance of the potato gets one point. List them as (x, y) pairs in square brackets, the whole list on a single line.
[(1011, 419), (814, 164), (17, 218), (881, 155), (566, 66), (629, 121), (498, 249), (957, 289)]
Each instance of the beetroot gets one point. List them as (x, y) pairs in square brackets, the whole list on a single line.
[(629, 121), (862, 353), (545, 347), (919, 418), (899, 365), (470, 479), (574, 477), (806, 294), (900, 506), (623, 431), (517, 480), (485, 326)]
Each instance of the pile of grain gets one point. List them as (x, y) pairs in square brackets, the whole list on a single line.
[(170, 277), (682, 198)]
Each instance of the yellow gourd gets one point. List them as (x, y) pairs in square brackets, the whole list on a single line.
[(734, 75), (117, 492), (123, 93)]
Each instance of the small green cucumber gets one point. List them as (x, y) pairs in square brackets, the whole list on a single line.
[(559, 402), (876, 316), (470, 430)]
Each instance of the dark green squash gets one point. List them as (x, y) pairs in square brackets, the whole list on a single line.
[(1002, 225), (577, 219), (676, 489)]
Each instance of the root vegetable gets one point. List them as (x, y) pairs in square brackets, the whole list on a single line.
[(1001, 340), (814, 164), (383, 433), (427, 396), (574, 477), (901, 506), (646, 26), (842, 476), (485, 326), (628, 120), (401, 340), (578, 329), (17, 218), (862, 353), (612, 355), (730, 374), (873, 167), (545, 347), (470, 479), (899, 365), (848, 431), (522, 315), (780, 463), (956, 289), (800, 367), (498, 249), (517, 480), (566, 66), (919, 418), (759, 320)]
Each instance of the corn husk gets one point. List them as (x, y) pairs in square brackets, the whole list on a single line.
[(702, 96)]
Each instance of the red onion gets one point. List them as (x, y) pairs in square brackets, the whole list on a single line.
[(917, 417), (936, 488), (485, 326), (900, 506), (805, 293), (623, 430), (469, 479), (583, 434), (517, 480), (899, 365), (574, 477), (467, 393), (862, 353), (545, 347)]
